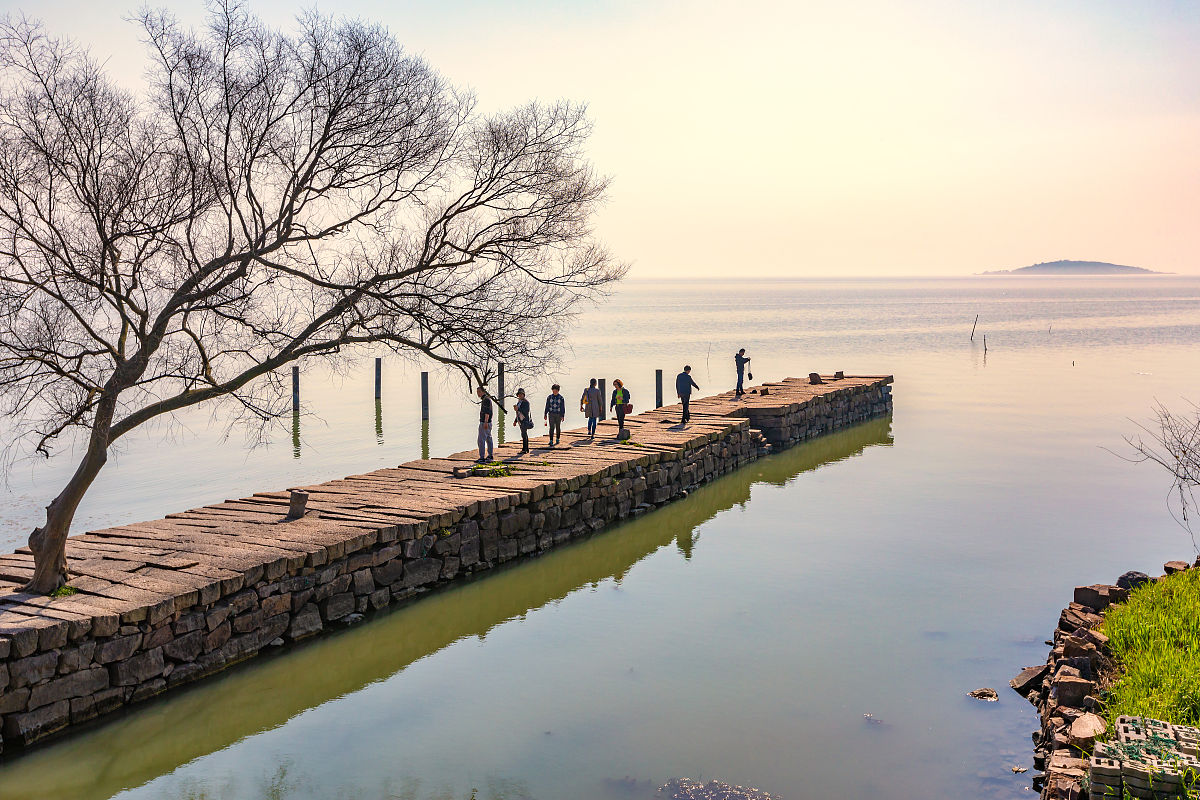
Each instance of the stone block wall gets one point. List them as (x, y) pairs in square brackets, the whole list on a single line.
[(64, 668)]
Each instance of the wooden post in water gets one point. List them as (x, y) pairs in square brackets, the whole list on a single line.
[(378, 378), (603, 400), (658, 397), (425, 399), (500, 384), (973, 324), (295, 389)]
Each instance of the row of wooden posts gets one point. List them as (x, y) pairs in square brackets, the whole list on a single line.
[(658, 389)]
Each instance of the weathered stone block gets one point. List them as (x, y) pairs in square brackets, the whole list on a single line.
[(186, 647), (215, 639), (32, 669), (157, 637), (449, 567), (77, 684), (188, 623), (13, 700), (217, 616), (306, 622), (276, 604), (243, 601), (273, 628), (363, 582), (30, 726), (249, 621), (421, 572), (337, 606), (147, 690), (380, 598), (389, 573), (138, 669)]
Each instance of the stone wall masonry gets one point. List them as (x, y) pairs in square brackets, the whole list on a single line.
[(165, 603), (1066, 690)]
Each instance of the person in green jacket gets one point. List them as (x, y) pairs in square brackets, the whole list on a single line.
[(620, 399)]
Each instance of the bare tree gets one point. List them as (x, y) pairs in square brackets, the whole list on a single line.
[(1173, 442), (268, 196)]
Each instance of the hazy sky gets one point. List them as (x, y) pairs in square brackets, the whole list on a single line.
[(806, 139)]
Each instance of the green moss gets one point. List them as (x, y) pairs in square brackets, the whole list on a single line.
[(64, 591), (496, 469), (1155, 639)]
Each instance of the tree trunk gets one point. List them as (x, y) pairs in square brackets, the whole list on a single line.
[(49, 542)]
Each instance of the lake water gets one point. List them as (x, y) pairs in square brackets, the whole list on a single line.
[(741, 635)]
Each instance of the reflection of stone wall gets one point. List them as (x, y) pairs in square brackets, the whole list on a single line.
[(63, 668)]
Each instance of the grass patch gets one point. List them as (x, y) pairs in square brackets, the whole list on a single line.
[(64, 591), (496, 469), (1155, 639)]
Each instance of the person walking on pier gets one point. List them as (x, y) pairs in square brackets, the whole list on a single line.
[(683, 387), (620, 404), (740, 360), (592, 405), (485, 424), (523, 419), (556, 409)]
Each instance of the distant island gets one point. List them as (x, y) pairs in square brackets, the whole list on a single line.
[(1075, 268)]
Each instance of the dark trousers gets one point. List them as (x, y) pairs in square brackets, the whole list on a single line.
[(524, 437), (687, 414), (741, 376), (555, 427), (620, 418)]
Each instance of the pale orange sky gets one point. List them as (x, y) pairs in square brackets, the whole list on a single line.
[(809, 139)]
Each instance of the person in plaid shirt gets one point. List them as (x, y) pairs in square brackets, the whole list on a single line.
[(556, 409)]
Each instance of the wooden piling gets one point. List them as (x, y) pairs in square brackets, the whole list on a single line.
[(425, 398), (603, 399), (658, 390), (296, 389), (378, 378), (500, 384)]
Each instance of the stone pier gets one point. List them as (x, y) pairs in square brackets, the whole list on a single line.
[(160, 604)]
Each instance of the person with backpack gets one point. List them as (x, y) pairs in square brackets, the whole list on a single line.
[(739, 362), (556, 409), (523, 420), (683, 387), (620, 404), (591, 403)]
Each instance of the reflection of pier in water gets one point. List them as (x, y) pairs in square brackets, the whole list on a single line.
[(155, 739)]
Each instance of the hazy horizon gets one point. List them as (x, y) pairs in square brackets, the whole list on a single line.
[(878, 140)]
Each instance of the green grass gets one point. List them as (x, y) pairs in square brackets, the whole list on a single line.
[(64, 591), (495, 469), (1155, 639)]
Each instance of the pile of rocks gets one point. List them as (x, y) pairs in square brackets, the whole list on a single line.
[(689, 789), (1149, 759), (1065, 689)]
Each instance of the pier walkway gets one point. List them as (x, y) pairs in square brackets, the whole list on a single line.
[(168, 601)]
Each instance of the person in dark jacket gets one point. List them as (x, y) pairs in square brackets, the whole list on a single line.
[(683, 387), (740, 361), (485, 423), (620, 399), (523, 421), (556, 409)]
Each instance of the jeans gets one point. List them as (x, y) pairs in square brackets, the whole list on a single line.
[(620, 417), (686, 398), (485, 438), (741, 375), (592, 423), (555, 427)]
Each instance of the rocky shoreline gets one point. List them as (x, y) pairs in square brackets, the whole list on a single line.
[(1066, 692)]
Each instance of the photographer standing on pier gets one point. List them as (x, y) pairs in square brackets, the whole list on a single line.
[(683, 387), (740, 361)]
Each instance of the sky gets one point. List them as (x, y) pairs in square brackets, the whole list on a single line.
[(800, 139)]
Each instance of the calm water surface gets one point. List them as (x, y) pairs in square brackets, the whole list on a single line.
[(743, 634)]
